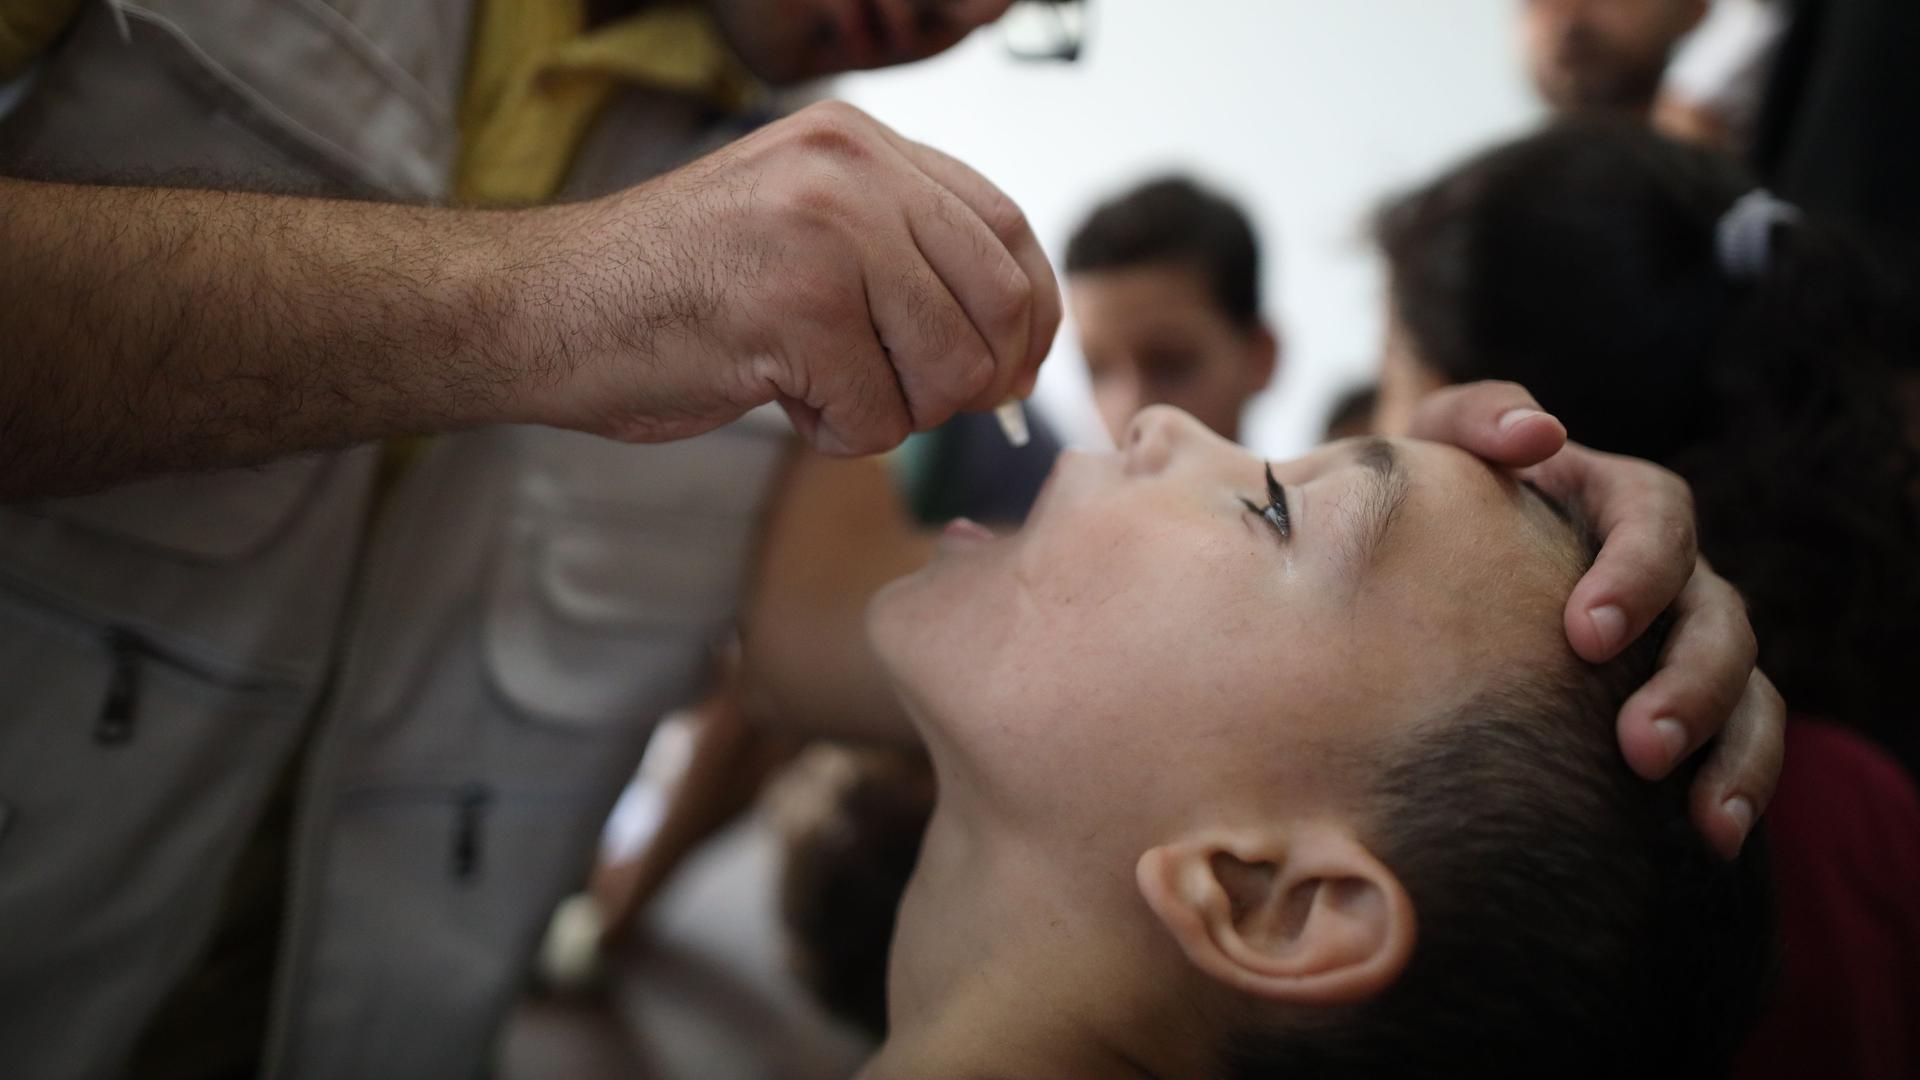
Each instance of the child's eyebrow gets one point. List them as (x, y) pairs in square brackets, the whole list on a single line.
[(1385, 490)]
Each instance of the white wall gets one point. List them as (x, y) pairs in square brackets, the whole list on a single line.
[(1308, 110)]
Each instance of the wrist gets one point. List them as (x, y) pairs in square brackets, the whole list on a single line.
[(521, 304)]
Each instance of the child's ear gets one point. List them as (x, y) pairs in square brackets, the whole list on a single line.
[(1301, 915)]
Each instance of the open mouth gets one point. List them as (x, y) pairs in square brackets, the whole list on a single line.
[(964, 533)]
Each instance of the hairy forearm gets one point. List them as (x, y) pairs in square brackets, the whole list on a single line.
[(149, 330)]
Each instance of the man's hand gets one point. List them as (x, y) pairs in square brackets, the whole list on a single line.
[(871, 285), (1706, 684)]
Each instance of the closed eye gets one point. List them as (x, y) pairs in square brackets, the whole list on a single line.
[(1274, 513)]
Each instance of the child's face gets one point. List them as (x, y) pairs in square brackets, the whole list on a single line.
[(1147, 655), (1155, 335)]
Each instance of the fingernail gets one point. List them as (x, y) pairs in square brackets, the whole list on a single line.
[(1739, 811), (1673, 738), (1516, 416), (1610, 623)]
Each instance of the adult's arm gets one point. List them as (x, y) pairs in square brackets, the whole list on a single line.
[(1706, 688), (869, 284), (153, 329)]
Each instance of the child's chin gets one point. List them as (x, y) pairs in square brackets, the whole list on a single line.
[(902, 612), (928, 621)]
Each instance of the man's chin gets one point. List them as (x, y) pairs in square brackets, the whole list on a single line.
[(1607, 91), (777, 60)]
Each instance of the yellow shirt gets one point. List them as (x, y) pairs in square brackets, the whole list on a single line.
[(537, 78)]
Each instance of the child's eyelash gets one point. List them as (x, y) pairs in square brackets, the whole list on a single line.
[(1275, 512)]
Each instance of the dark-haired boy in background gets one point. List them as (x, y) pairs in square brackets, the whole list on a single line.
[(1164, 285)]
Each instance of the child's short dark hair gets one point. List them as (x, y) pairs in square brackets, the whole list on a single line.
[(1174, 220), (1571, 921)]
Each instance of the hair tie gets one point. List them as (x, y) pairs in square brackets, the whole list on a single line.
[(1744, 237)]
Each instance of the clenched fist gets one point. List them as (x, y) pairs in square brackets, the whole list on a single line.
[(871, 285)]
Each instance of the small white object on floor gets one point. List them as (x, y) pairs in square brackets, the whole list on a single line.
[(570, 957)]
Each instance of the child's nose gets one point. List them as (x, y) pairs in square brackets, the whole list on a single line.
[(1154, 436)]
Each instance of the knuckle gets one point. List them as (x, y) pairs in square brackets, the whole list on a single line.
[(833, 130), (1677, 533), (1674, 489), (1725, 611), (1747, 644), (1683, 538), (837, 109), (1001, 214), (1006, 310), (821, 202)]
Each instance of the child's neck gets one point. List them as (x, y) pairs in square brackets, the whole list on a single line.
[(972, 991)]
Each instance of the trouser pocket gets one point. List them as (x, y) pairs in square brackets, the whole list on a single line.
[(130, 771)]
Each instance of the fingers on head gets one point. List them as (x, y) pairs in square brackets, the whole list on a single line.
[(1496, 420), (1648, 558), (1743, 769), (1703, 673)]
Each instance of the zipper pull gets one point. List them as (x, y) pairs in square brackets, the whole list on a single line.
[(468, 812), (115, 724)]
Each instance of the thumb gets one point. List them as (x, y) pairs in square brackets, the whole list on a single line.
[(1498, 421)]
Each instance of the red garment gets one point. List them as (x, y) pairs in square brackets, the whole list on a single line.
[(1845, 835)]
